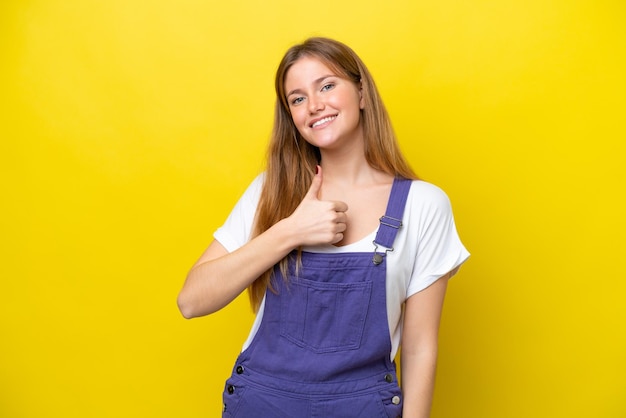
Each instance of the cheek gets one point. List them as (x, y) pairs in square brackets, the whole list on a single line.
[(298, 117), (348, 100)]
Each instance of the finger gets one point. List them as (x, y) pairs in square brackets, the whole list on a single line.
[(341, 227), (316, 185), (339, 206), (341, 217), (338, 237)]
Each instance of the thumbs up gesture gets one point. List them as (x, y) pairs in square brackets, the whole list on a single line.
[(318, 221)]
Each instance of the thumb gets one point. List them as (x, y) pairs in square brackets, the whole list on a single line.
[(316, 185)]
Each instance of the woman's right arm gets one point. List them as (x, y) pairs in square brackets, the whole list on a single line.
[(218, 276)]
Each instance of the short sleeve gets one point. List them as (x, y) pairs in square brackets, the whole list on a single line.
[(439, 248), (237, 228)]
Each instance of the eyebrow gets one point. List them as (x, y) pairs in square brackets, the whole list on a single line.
[(317, 81)]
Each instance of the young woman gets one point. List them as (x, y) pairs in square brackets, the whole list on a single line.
[(344, 253)]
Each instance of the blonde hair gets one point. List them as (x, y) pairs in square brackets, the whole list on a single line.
[(291, 160)]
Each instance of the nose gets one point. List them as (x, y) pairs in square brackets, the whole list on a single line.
[(315, 104)]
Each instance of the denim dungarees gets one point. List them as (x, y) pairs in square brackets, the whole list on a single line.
[(323, 347)]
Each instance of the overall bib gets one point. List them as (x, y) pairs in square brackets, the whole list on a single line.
[(323, 347)]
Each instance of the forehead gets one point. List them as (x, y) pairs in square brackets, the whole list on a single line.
[(307, 70)]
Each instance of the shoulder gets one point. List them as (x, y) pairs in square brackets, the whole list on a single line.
[(253, 191), (237, 228), (427, 195), (257, 184)]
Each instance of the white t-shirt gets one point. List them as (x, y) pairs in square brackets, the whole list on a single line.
[(426, 247)]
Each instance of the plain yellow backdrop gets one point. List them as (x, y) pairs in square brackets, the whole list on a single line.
[(129, 128)]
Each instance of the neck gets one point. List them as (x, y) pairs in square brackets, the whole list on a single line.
[(349, 168)]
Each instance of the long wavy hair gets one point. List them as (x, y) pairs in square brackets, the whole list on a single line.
[(291, 160)]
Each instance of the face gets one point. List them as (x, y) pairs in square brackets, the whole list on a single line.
[(324, 106)]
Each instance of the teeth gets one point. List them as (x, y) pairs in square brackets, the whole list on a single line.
[(321, 121)]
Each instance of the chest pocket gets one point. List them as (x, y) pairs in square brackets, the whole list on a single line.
[(324, 317)]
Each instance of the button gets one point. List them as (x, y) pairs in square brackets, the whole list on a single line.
[(230, 389), (388, 378), (239, 369), (395, 400)]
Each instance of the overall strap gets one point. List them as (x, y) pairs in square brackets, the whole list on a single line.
[(391, 221)]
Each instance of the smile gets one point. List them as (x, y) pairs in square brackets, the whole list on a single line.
[(323, 121)]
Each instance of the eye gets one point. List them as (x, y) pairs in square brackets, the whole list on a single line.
[(297, 100), (328, 86)]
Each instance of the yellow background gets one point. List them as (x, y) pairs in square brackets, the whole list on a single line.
[(129, 128)]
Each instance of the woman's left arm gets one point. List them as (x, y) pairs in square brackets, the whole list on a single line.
[(419, 347)]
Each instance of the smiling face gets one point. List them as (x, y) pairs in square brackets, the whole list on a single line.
[(325, 107)]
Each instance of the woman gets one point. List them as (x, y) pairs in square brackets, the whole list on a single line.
[(335, 284)]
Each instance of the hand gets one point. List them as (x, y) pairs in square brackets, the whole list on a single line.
[(319, 221)]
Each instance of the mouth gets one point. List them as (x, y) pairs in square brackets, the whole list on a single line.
[(322, 121)]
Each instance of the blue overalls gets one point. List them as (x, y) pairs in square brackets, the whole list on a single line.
[(323, 347)]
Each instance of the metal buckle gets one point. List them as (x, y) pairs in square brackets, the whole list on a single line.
[(390, 221), (378, 257)]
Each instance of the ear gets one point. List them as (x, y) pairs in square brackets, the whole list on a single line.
[(361, 99)]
